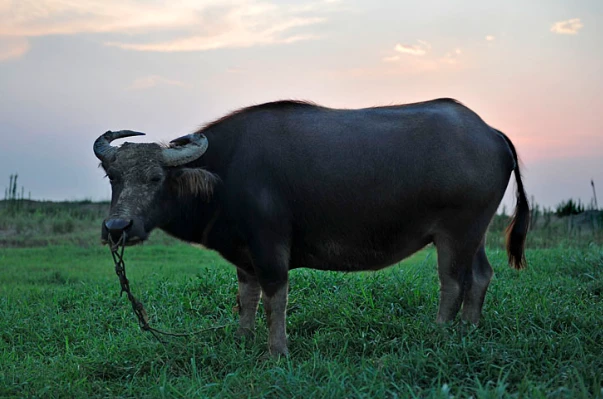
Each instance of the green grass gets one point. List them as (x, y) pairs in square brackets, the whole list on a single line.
[(33, 223), (44, 223), (65, 332)]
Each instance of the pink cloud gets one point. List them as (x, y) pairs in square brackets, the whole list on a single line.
[(203, 25), (415, 49), (12, 47)]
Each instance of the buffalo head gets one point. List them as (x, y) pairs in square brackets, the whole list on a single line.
[(145, 179)]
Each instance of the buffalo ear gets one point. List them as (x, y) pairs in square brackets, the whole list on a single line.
[(194, 181)]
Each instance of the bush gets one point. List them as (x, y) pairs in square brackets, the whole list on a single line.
[(63, 226)]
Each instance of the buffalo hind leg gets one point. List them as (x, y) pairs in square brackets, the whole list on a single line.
[(248, 299), (476, 286), (454, 268)]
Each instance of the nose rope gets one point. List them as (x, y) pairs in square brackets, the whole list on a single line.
[(117, 252)]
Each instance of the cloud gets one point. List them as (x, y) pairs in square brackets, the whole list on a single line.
[(146, 82), (186, 25), (392, 58), (416, 49), (423, 62), (242, 33), (13, 47), (56, 17), (452, 57), (569, 27), (490, 38)]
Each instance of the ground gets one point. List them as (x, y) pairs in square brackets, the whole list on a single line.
[(66, 332)]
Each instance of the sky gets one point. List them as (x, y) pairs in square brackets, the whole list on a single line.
[(73, 69)]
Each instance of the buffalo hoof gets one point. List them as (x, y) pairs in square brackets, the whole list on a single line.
[(278, 351), (271, 355)]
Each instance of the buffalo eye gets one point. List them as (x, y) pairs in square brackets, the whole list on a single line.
[(155, 179)]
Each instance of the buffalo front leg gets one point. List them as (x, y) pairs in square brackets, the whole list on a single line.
[(248, 299), (275, 305), (269, 245), (271, 264)]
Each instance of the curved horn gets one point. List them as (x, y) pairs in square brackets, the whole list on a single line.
[(189, 148), (102, 147)]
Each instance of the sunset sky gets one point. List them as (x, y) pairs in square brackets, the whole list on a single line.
[(72, 69)]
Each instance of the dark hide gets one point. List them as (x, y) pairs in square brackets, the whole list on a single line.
[(291, 184)]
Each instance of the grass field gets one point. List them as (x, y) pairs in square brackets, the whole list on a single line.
[(65, 332)]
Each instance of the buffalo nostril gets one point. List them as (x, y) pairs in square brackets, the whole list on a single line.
[(118, 225)]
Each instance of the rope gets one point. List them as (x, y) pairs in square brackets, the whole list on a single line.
[(117, 252)]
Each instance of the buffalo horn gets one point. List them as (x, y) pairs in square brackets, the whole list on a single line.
[(187, 149), (102, 146)]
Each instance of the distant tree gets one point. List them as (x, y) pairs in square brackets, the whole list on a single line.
[(595, 205), (9, 189), (569, 207), (11, 194)]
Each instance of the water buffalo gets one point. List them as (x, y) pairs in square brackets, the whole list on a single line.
[(291, 184)]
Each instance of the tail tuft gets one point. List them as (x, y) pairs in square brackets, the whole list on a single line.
[(517, 230)]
